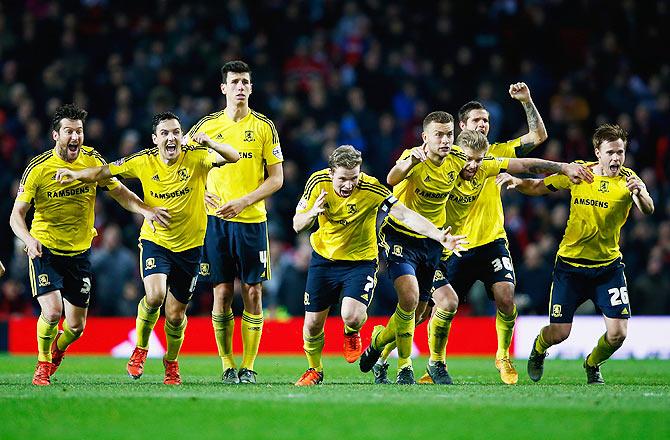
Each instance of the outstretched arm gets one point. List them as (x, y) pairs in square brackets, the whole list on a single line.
[(423, 226), (226, 152), (129, 201), (402, 168), (537, 133), (574, 171), (87, 175), (529, 187)]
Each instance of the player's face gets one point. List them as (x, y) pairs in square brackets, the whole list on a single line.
[(345, 180), (69, 138), (474, 161), (611, 156), (439, 137), (237, 88), (168, 138), (478, 120)]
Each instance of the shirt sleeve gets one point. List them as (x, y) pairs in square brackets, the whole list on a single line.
[(312, 191), (495, 165), (405, 154), (28, 185), (127, 167), (107, 184), (505, 149), (271, 147), (557, 181)]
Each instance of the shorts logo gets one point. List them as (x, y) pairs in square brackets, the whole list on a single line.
[(150, 263), (204, 269), (43, 280), (86, 286), (439, 276), (604, 187), (306, 300), (556, 311), (397, 250), (351, 208), (365, 296), (625, 311), (248, 136), (183, 174)]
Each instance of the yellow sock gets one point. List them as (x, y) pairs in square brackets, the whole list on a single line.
[(404, 330), (46, 333), (386, 336), (224, 327), (541, 345), (252, 328), (351, 330), (438, 333), (145, 322), (505, 330), (313, 346), (601, 352), (174, 337), (386, 352), (68, 337)]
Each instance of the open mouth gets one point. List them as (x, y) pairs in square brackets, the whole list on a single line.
[(171, 148), (444, 149), (73, 148), (614, 169)]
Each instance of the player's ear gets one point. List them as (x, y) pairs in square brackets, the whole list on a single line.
[(154, 138), (54, 135), (223, 88)]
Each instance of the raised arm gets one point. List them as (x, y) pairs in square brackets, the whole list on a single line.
[(423, 226), (401, 169), (640, 195), (17, 221), (529, 187), (130, 202), (226, 152), (305, 220), (87, 175), (537, 133), (574, 171)]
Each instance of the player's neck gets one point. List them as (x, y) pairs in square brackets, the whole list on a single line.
[(63, 155), (435, 159), (237, 112), (598, 170)]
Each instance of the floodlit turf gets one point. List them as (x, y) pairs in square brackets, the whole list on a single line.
[(91, 397)]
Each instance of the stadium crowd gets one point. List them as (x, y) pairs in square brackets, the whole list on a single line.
[(331, 73)]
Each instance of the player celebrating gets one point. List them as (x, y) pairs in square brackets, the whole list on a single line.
[(236, 244), (172, 176), (58, 243), (588, 264), (344, 259)]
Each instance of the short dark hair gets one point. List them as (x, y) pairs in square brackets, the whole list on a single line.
[(439, 116), (160, 117), (236, 66), (464, 112), (345, 156), (68, 111), (609, 133)]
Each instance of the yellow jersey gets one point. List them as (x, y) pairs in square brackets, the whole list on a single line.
[(64, 214), (426, 188), (465, 194), (255, 138), (598, 210), (347, 227), (180, 188), (486, 220)]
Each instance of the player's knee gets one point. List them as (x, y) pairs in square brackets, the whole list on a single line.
[(312, 327), (504, 298), (52, 315), (408, 303), (175, 318), (77, 329), (354, 318), (616, 338), (560, 335)]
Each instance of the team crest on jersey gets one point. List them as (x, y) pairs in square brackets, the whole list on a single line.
[(150, 263), (451, 176), (475, 182), (351, 208), (183, 174), (43, 280), (604, 187), (397, 250), (556, 311), (249, 136), (204, 269)]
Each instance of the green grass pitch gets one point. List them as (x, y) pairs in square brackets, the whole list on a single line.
[(91, 397)]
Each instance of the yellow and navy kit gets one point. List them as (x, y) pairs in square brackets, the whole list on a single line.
[(180, 188), (426, 188), (598, 210), (486, 222), (255, 138), (64, 214), (347, 226)]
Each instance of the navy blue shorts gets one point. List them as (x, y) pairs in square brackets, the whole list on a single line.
[(407, 255), (328, 279), (490, 263), (181, 268), (69, 274), (235, 250), (572, 286)]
